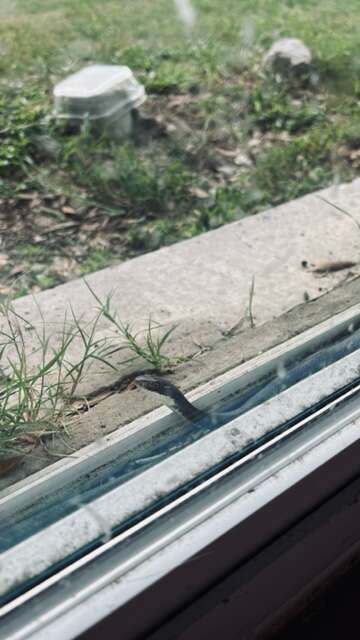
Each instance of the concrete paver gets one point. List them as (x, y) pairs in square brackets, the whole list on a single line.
[(202, 285), (207, 278)]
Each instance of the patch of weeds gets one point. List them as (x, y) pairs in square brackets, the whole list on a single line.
[(271, 107), (168, 78), (349, 132), (46, 280), (168, 70), (119, 176), (224, 209), (38, 381), (40, 371), (137, 57), (22, 115), (339, 73), (146, 344), (215, 113), (31, 251), (96, 260), (20, 291), (230, 203), (305, 164), (165, 231), (155, 235)]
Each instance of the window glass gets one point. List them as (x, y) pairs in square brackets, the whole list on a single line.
[(126, 129)]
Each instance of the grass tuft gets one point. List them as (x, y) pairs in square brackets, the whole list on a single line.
[(38, 382), (146, 344), (40, 373)]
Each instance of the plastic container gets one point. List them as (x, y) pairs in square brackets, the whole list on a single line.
[(101, 95)]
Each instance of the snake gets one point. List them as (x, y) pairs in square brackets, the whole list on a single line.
[(171, 396), (175, 400)]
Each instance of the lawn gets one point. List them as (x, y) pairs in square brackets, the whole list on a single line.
[(219, 139)]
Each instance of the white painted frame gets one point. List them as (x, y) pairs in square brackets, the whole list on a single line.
[(330, 441)]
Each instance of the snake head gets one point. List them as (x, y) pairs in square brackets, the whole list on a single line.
[(170, 395), (167, 392), (154, 383)]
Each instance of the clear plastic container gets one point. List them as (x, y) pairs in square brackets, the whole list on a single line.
[(102, 95)]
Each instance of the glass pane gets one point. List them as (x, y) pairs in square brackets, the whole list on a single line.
[(128, 129)]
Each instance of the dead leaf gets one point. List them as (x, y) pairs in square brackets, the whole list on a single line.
[(35, 203), (243, 160), (61, 226), (91, 226), (226, 170), (26, 196), (199, 193), (63, 265), (228, 153), (284, 136), (178, 101), (68, 210), (170, 127), (98, 241), (255, 141), (4, 259), (43, 221), (339, 265)]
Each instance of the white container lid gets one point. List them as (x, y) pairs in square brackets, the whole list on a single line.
[(93, 81), (97, 92)]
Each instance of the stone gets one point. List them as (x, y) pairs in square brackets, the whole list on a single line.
[(288, 56)]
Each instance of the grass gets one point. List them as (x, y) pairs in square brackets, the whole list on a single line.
[(127, 182), (37, 384), (96, 260), (40, 373), (248, 316), (272, 108), (208, 98), (148, 347)]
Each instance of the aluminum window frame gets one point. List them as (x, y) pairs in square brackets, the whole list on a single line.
[(272, 482)]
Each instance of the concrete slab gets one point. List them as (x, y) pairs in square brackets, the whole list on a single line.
[(202, 285), (206, 279)]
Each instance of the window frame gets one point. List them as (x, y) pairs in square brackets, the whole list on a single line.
[(270, 488)]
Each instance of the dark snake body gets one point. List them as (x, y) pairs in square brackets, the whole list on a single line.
[(171, 396)]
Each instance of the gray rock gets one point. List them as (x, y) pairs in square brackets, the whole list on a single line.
[(287, 56)]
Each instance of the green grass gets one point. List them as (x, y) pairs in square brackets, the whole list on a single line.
[(146, 344), (96, 260), (122, 179), (40, 375), (144, 192), (37, 383), (272, 108)]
